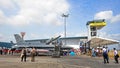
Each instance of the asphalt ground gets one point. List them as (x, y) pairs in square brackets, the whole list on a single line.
[(83, 61)]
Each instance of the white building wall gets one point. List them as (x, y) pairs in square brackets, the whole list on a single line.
[(73, 41)]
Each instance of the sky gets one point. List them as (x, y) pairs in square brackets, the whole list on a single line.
[(41, 19)]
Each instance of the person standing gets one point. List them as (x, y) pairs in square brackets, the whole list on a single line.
[(116, 56), (1, 50), (105, 55), (23, 54), (93, 52), (33, 52)]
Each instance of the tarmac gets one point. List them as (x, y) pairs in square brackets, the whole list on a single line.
[(82, 61)]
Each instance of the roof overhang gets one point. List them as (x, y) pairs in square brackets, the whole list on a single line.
[(99, 41)]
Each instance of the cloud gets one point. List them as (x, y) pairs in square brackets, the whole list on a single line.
[(104, 34), (82, 34), (34, 11), (69, 34), (108, 15), (39, 36), (104, 15), (116, 18), (2, 17), (3, 38), (115, 36), (34, 36), (111, 36), (7, 4)]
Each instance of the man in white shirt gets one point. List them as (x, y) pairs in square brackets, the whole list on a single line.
[(105, 55), (116, 56)]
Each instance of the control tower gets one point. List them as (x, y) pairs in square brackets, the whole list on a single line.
[(94, 26)]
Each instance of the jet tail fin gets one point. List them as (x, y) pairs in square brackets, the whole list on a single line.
[(18, 38)]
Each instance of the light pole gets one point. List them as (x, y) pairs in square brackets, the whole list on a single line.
[(65, 16)]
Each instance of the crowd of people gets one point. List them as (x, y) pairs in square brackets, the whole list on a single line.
[(4, 51), (104, 52), (95, 52), (23, 52)]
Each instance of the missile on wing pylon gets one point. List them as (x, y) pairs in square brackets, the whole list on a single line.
[(52, 39)]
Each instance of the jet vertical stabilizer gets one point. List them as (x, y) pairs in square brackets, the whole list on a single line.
[(18, 38)]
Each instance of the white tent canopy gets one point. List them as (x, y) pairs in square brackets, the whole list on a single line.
[(98, 41)]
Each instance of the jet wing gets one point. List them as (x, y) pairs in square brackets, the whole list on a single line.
[(99, 41)]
